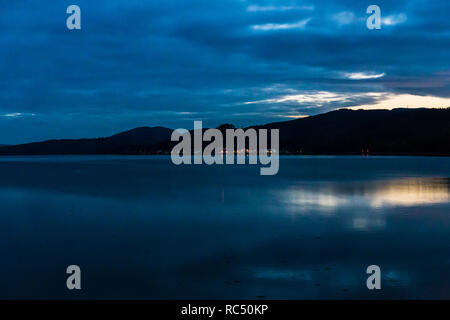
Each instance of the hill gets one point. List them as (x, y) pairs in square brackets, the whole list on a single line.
[(122, 143), (398, 131)]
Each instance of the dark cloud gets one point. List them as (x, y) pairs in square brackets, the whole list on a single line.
[(169, 62)]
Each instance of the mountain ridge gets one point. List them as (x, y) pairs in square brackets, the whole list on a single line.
[(343, 131)]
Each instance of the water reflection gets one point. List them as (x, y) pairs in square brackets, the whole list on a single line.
[(329, 197), (410, 192), (222, 232)]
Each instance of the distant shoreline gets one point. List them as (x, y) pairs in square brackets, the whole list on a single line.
[(281, 154), (397, 132)]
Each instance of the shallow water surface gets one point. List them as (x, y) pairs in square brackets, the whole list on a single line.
[(141, 227)]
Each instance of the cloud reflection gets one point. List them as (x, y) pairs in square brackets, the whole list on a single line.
[(380, 194), (410, 192)]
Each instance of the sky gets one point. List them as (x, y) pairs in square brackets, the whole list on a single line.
[(170, 62)]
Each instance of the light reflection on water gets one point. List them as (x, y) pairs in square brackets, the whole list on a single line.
[(366, 200), (378, 194), (162, 231)]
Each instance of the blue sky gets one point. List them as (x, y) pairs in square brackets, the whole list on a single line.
[(170, 62)]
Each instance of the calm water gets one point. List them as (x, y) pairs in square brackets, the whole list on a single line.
[(140, 227)]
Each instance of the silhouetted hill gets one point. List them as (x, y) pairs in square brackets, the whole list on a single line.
[(407, 131), (141, 136), (122, 143), (399, 131)]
